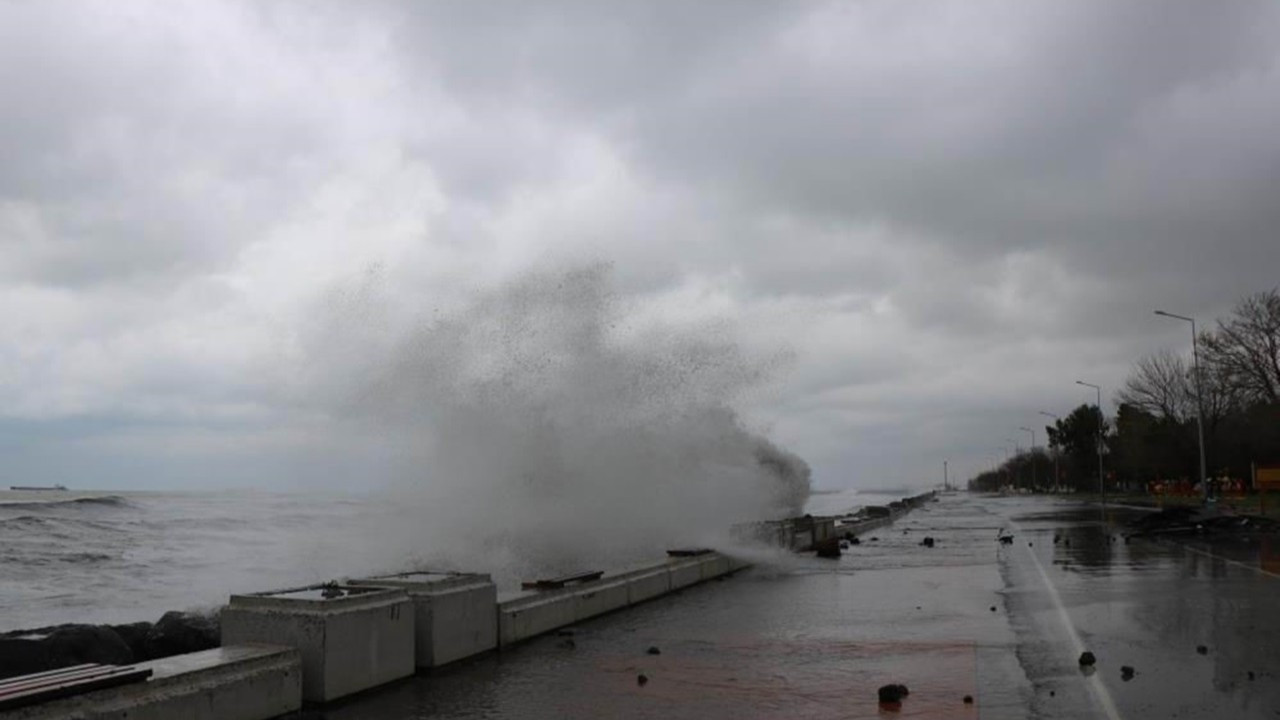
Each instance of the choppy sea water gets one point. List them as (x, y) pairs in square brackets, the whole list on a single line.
[(128, 556), (116, 557)]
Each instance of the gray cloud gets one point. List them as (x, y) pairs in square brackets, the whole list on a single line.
[(945, 212)]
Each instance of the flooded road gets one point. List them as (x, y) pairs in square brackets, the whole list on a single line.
[(800, 637)]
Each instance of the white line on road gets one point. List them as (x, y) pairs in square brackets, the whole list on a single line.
[(1100, 693), (1229, 561)]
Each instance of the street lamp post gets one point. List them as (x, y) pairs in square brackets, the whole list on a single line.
[(1102, 488), (1195, 359), (1056, 477), (1033, 455), (1013, 459)]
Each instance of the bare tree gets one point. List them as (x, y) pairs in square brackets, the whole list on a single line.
[(1161, 384), (1244, 352)]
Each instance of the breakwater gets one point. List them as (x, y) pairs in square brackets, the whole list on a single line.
[(281, 649), (315, 644)]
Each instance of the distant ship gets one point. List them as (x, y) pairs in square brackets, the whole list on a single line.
[(43, 488)]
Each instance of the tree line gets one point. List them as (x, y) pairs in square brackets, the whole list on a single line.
[(1153, 435)]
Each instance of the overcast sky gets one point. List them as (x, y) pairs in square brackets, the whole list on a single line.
[(942, 214)]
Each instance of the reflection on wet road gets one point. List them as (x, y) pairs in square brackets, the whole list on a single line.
[(800, 637)]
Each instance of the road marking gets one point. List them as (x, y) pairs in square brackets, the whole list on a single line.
[(1100, 693), (1229, 561)]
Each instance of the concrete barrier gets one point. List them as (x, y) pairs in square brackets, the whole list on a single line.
[(455, 614), (599, 597), (648, 583), (527, 614), (252, 682), (684, 572), (533, 613), (351, 638)]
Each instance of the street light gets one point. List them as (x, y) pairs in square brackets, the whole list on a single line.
[(1056, 477), (1195, 358), (1011, 447), (1102, 489), (1033, 455)]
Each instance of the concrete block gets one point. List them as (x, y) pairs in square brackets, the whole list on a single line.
[(685, 572), (713, 566), (247, 682), (648, 584), (534, 613), (351, 638), (599, 597), (455, 614)]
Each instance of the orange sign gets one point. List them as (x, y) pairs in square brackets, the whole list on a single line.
[(1267, 478)]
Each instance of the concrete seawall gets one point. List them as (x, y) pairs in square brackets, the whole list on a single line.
[(321, 643), (312, 645), (527, 614), (802, 534)]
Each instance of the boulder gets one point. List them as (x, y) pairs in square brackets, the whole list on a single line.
[(135, 636), (77, 644), (893, 693), (177, 633), (829, 548), (22, 656), (1087, 659)]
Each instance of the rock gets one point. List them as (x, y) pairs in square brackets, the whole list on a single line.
[(1057, 539), (854, 540), (893, 693), (829, 548), (1066, 543), (1030, 545), (135, 636), (642, 679), (177, 633), (22, 656), (1005, 539), (993, 608), (1202, 649), (653, 650), (927, 542), (1052, 693), (875, 539), (1087, 659), (77, 644), (1126, 673), (968, 699), (1251, 675)]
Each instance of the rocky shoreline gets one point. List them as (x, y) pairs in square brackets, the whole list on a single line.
[(31, 651)]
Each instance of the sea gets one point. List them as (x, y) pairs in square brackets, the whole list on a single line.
[(115, 557)]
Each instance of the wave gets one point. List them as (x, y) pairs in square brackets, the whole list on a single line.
[(57, 527), (93, 501)]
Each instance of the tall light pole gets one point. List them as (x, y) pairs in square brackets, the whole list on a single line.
[(1102, 488), (1195, 359), (1056, 477), (945, 484), (1013, 461), (1033, 455)]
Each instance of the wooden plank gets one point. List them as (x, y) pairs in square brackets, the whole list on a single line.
[(689, 552), (560, 582), (56, 686), (47, 673), (23, 684)]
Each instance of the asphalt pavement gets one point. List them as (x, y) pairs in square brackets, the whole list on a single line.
[(1198, 625)]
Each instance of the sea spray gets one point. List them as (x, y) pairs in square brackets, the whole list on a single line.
[(541, 427)]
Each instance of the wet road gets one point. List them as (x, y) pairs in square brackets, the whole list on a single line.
[(799, 637)]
